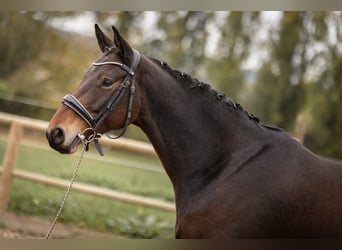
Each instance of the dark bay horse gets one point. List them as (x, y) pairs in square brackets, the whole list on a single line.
[(232, 176)]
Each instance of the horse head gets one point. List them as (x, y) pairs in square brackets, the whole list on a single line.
[(103, 101)]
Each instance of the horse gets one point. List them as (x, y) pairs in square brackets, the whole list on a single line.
[(232, 176)]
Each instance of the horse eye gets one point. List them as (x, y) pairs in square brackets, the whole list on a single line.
[(107, 82)]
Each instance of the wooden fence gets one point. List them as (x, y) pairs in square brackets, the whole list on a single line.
[(16, 132)]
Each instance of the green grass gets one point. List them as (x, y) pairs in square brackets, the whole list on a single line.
[(93, 212)]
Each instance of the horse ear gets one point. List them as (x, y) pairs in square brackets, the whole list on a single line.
[(104, 41), (125, 50)]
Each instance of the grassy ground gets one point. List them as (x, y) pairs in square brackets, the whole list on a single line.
[(89, 211)]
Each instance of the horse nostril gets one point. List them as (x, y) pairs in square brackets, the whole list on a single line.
[(57, 136)]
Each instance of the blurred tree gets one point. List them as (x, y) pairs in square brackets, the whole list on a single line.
[(18, 45), (38, 61), (237, 30), (325, 85), (302, 76), (183, 45), (129, 23), (279, 91), (189, 44)]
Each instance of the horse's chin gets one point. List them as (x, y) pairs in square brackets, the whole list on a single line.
[(68, 150), (71, 148)]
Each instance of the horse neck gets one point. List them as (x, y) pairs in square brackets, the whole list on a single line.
[(189, 128)]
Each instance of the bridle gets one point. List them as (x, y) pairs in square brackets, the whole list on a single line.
[(95, 122)]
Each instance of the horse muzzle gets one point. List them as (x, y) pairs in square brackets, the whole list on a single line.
[(58, 141)]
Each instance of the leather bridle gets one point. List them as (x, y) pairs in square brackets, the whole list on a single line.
[(95, 122)]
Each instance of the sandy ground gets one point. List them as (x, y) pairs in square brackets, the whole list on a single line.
[(12, 234)]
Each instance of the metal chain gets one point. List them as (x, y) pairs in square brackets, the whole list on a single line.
[(67, 192)]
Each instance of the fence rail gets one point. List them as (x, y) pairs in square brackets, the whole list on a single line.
[(17, 128)]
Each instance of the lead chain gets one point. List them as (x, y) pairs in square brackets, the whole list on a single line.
[(67, 192)]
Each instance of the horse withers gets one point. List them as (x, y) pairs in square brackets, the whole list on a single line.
[(233, 177)]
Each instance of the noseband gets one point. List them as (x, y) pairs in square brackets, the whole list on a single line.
[(95, 122)]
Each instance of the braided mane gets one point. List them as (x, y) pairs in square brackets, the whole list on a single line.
[(194, 82)]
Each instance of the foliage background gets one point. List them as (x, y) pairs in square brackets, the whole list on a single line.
[(297, 61)]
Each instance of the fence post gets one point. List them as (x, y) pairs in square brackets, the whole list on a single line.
[(300, 127), (8, 165)]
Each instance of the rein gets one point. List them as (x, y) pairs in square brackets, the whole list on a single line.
[(95, 122)]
